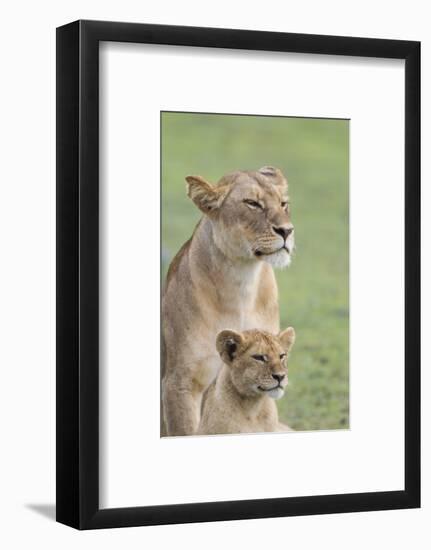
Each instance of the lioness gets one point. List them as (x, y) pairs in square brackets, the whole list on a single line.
[(221, 277), (241, 398)]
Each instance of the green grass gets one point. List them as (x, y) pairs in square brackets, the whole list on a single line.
[(314, 291)]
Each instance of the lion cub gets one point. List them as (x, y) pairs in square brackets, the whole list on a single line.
[(254, 374)]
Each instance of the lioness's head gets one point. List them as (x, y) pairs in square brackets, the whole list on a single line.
[(257, 360), (250, 214)]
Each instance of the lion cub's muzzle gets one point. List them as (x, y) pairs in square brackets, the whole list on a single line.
[(279, 382)]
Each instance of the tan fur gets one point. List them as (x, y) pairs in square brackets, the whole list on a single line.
[(241, 399), (221, 277)]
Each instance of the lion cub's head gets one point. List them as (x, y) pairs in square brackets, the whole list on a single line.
[(250, 214), (257, 360)]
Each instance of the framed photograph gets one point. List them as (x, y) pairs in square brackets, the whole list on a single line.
[(238, 274)]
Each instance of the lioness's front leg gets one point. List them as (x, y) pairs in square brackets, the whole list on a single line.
[(180, 407)]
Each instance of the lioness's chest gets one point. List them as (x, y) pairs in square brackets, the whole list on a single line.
[(206, 371), (242, 319)]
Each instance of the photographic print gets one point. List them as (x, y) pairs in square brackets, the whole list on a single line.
[(218, 267), (255, 274)]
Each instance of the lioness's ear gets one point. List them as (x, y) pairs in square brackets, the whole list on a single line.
[(287, 338), (274, 174), (229, 344), (206, 197)]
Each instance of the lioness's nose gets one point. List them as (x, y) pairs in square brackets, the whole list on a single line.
[(284, 230), (278, 377)]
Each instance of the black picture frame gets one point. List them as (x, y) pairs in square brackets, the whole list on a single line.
[(78, 273)]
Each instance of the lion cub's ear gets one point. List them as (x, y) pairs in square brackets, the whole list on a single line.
[(229, 344), (206, 197), (287, 338)]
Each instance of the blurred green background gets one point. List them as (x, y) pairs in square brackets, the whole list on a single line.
[(314, 290)]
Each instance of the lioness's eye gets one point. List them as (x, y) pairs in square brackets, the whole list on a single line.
[(252, 203), (259, 357), (284, 205), (282, 356)]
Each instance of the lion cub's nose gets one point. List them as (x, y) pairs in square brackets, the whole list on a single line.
[(278, 377), (284, 231)]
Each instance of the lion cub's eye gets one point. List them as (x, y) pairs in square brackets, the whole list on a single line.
[(259, 358), (285, 205), (253, 204), (282, 356)]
